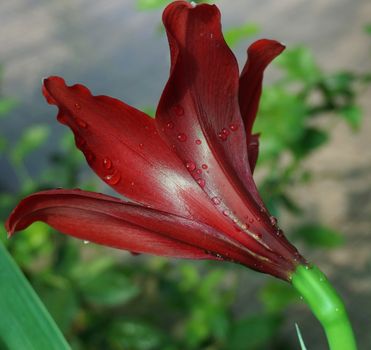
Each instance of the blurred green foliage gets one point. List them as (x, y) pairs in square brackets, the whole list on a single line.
[(106, 300)]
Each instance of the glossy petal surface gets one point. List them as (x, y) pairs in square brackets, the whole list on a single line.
[(112, 222), (122, 145)]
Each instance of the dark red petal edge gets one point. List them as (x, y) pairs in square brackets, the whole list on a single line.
[(260, 54)]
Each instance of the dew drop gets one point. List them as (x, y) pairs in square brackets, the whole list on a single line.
[(141, 145), (279, 233), (170, 125), (77, 106), (273, 220), (225, 131), (198, 142), (251, 220), (216, 200), (201, 182), (222, 136), (107, 163), (182, 137), (86, 242), (190, 165), (204, 166), (226, 213), (81, 123), (132, 183), (233, 127), (113, 179), (178, 109), (258, 235), (198, 171)]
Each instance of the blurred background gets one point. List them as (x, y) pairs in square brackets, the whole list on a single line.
[(314, 171)]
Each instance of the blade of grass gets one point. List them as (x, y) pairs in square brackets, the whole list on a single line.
[(301, 341), (24, 321)]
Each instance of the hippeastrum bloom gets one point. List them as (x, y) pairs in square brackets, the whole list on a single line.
[(188, 172)]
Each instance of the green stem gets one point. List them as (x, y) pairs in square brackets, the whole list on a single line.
[(326, 305)]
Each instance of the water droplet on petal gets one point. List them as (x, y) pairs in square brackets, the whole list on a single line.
[(204, 166), (225, 131), (170, 125), (273, 220), (86, 242), (77, 106), (216, 200), (279, 233), (107, 163), (251, 220), (81, 123), (198, 171), (201, 182), (222, 136), (226, 213), (190, 165), (178, 109), (113, 179), (182, 137), (132, 183), (258, 235), (141, 145), (233, 127), (198, 142)]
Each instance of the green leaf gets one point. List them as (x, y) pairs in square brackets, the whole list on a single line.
[(103, 285), (235, 34), (287, 113), (311, 139), (254, 332), (299, 64), (31, 139), (6, 105), (318, 236), (24, 321), (134, 335), (60, 298), (301, 341), (276, 296), (352, 115)]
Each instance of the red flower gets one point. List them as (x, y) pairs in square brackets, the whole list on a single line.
[(188, 172)]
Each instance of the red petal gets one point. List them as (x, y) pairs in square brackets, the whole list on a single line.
[(260, 54), (200, 99), (123, 147), (109, 221), (200, 102)]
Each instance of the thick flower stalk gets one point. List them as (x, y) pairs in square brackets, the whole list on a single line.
[(187, 173)]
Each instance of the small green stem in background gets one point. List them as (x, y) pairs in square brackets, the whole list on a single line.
[(326, 305)]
